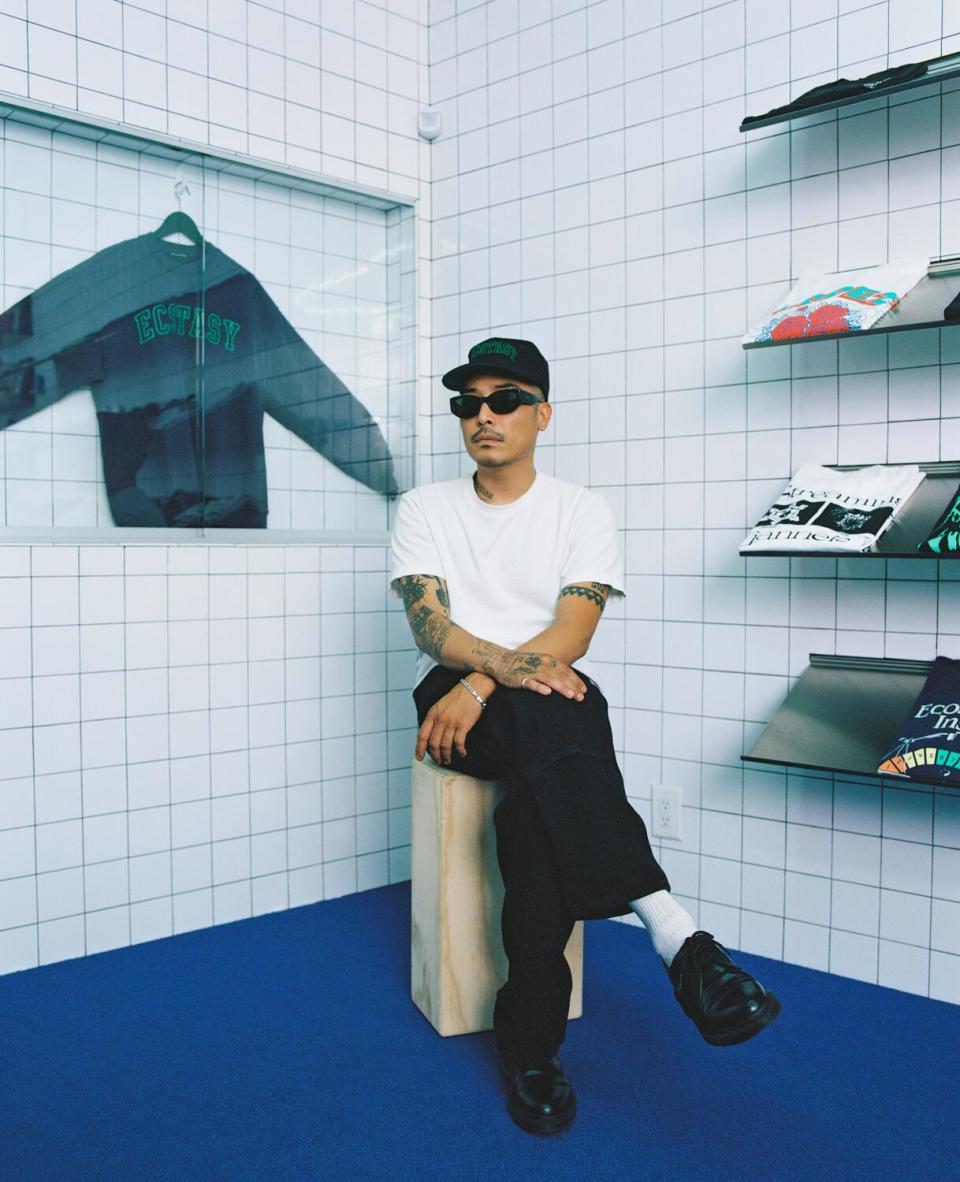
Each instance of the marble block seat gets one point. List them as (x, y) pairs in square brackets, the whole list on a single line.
[(457, 957)]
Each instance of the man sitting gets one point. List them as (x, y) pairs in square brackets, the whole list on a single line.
[(504, 575)]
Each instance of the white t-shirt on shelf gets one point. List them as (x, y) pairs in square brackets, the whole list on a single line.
[(505, 565)]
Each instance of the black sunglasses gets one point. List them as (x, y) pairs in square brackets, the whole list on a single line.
[(501, 402)]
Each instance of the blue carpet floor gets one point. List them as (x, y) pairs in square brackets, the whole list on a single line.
[(287, 1047)]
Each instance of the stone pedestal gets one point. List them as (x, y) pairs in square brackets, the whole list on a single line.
[(457, 957)]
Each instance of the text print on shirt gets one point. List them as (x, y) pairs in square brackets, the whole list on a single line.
[(162, 319)]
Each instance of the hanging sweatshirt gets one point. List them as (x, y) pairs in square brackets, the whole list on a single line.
[(182, 444)]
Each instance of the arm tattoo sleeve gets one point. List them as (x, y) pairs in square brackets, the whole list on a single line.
[(494, 658), (430, 628), (431, 625), (430, 632), (596, 593)]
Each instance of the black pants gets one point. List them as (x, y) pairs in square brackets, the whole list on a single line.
[(569, 844)]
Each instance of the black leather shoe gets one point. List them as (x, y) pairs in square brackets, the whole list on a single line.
[(723, 1001), (540, 1098)]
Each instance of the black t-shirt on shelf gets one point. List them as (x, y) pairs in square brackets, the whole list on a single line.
[(844, 88), (928, 741)]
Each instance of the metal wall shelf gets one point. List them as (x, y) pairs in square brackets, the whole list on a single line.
[(842, 716), (947, 68), (909, 528)]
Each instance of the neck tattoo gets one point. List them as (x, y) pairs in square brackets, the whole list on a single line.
[(482, 490)]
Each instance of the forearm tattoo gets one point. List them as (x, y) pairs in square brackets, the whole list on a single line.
[(501, 662), (430, 631), (489, 656), (596, 593), (430, 628)]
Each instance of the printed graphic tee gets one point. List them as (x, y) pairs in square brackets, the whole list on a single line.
[(128, 324), (927, 746), (844, 88), (827, 305), (505, 565), (823, 511), (945, 536)]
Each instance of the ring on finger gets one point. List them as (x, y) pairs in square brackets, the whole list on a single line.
[(523, 683)]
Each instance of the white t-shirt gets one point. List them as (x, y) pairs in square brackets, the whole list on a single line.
[(505, 565), (825, 511)]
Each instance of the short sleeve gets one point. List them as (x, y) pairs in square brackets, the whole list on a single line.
[(596, 555), (413, 550)]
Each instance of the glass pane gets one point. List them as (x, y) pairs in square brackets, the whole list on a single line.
[(191, 342)]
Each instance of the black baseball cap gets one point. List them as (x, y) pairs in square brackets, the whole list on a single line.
[(513, 358)]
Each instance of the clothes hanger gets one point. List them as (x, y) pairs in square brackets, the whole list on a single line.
[(179, 222)]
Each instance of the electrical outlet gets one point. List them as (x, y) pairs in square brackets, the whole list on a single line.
[(667, 812)]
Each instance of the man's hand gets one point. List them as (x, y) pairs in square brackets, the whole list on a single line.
[(448, 721), (541, 673), (451, 718)]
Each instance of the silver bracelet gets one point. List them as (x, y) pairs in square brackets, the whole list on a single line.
[(463, 681)]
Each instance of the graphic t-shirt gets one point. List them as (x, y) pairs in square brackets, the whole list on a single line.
[(844, 88), (823, 511), (505, 565), (944, 538), (827, 305), (129, 324), (927, 746)]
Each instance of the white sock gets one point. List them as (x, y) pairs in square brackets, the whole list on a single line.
[(668, 923)]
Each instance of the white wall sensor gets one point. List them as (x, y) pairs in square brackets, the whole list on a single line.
[(429, 124)]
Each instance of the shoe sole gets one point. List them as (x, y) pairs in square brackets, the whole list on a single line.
[(726, 1038), (543, 1124)]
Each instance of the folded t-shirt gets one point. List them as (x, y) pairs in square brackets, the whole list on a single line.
[(927, 746), (945, 536), (850, 301), (823, 511), (844, 88)]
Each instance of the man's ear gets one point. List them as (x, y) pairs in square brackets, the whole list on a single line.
[(544, 417)]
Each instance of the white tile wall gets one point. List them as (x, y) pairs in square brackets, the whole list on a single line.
[(182, 742), (591, 191), (345, 291), (634, 236), (193, 734), (333, 86)]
